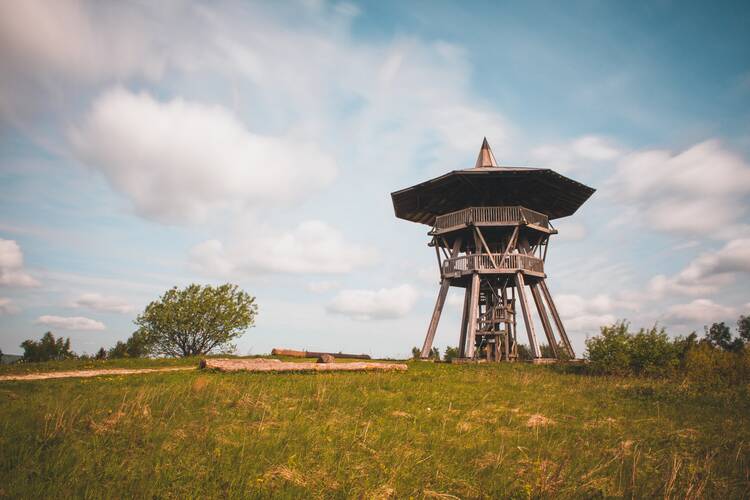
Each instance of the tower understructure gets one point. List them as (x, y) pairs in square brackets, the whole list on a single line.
[(490, 231)]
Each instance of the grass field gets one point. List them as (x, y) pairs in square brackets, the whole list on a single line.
[(436, 431)]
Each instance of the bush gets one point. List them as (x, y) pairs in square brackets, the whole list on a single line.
[(136, 346), (716, 360), (524, 353), (650, 352), (450, 353), (707, 366)]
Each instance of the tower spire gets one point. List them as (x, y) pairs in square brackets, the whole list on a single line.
[(486, 158)]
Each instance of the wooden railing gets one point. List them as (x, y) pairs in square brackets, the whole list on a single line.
[(481, 262), (490, 215)]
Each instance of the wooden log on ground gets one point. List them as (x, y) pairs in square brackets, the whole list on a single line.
[(326, 358), (311, 354), (274, 365)]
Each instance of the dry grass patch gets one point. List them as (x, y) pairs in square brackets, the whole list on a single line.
[(539, 420)]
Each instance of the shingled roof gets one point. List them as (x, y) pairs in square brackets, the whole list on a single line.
[(487, 184)]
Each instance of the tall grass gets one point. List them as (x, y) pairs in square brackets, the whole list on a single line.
[(435, 431)]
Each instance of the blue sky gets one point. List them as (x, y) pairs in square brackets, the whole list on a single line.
[(147, 146)]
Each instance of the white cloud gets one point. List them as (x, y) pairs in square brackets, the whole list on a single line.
[(311, 247), (322, 286), (11, 266), (97, 302), (570, 230), (700, 311), (583, 314), (386, 303), (8, 307), (70, 322), (178, 161), (53, 49), (578, 153), (700, 191), (708, 272)]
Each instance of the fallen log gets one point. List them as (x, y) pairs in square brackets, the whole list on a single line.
[(274, 365), (310, 354)]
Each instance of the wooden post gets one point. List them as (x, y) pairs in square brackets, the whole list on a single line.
[(545, 320), (487, 248), (427, 346), (444, 286), (527, 316), (556, 318), (464, 326), (473, 315)]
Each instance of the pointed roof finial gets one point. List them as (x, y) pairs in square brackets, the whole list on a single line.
[(486, 158)]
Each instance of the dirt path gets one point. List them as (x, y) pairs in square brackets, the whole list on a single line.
[(91, 373)]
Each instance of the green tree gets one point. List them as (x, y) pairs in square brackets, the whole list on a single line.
[(416, 352), (196, 320), (137, 346), (47, 349), (718, 335), (101, 353), (743, 328)]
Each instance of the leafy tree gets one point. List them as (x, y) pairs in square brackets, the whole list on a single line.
[(718, 335), (196, 320), (434, 354), (47, 349), (743, 328), (416, 352), (119, 350), (136, 346), (101, 353)]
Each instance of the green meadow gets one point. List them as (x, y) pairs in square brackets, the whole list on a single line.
[(435, 431)]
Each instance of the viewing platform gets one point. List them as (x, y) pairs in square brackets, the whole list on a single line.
[(492, 216), (494, 263)]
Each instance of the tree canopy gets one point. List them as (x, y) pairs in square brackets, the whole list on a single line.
[(47, 349), (196, 320)]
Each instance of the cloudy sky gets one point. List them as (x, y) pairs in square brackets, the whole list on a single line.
[(151, 144)]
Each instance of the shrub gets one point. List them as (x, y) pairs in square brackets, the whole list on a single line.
[(450, 353), (610, 351), (524, 353), (707, 366), (650, 352)]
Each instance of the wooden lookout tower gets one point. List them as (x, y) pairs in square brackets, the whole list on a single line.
[(490, 229)]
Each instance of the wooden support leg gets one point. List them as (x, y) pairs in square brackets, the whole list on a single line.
[(464, 326), (556, 318), (444, 285), (527, 316), (473, 316), (545, 320)]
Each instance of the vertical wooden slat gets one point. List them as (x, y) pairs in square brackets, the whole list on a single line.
[(435, 319), (556, 319), (527, 316), (464, 326), (545, 320), (473, 315), (427, 346)]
